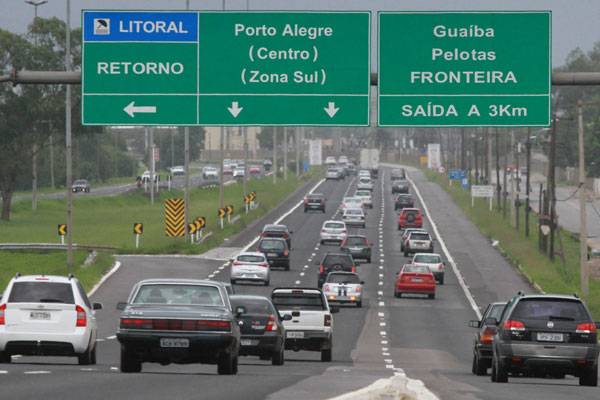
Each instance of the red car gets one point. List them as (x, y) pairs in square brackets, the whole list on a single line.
[(253, 169), (415, 279), (410, 218)]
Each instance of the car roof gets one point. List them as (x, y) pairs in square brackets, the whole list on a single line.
[(292, 289), (264, 239), (411, 209), (342, 273), (275, 227), (46, 278), (181, 281), (251, 253), (356, 236), (353, 209), (333, 253), (333, 220), (248, 297), (550, 296), (427, 254)]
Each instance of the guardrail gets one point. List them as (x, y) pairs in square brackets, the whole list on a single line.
[(50, 246)]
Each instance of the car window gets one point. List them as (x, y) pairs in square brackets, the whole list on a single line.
[(179, 294), (272, 244), (419, 236), (251, 258), (548, 309), (352, 211), (419, 269), (356, 241), (83, 295), (343, 278), (334, 225), (335, 259), (41, 292), (302, 301), (253, 306), (365, 180), (496, 311), (427, 259), (363, 193)]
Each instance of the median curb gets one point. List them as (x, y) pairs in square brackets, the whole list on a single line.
[(397, 387)]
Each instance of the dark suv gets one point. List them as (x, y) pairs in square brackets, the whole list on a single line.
[(482, 345), (403, 201), (276, 250), (400, 186), (335, 262), (277, 231), (358, 246), (543, 335), (314, 201)]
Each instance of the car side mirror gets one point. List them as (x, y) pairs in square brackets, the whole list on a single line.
[(362, 282), (474, 324), (240, 310), (291, 232), (597, 325), (97, 306), (286, 317), (121, 305), (491, 321), (334, 310)]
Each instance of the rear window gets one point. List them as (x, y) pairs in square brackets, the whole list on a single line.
[(353, 212), (363, 193), (302, 301), (251, 259), (275, 228), (272, 244), (548, 309), (343, 278), (427, 259), (365, 180), (419, 236), (419, 269), (41, 292), (179, 294), (334, 225), (314, 197), (253, 306), (335, 259), (356, 241)]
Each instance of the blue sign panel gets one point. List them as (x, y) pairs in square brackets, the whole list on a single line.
[(110, 26), (465, 183), (456, 174)]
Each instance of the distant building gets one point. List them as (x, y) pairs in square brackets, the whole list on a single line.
[(233, 142)]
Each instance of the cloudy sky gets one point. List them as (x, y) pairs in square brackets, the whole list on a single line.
[(575, 22)]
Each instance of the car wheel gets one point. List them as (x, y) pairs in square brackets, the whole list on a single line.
[(233, 281), (267, 282), (479, 368), (397, 294), (278, 357), (405, 253), (265, 357), (589, 377), (474, 365), (369, 260), (501, 375), (93, 357), (287, 267), (442, 280), (225, 364), (326, 355), (235, 365), (85, 358), (129, 362), (322, 242), (359, 304), (5, 358), (431, 295)]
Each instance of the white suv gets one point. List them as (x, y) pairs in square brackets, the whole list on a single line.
[(333, 231), (47, 315), (311, 325)]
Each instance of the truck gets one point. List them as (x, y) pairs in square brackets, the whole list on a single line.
[(369, 159)]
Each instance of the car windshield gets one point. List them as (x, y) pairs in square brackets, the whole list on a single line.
[(301, 301), (363, 193), (550, 309), (251, 258), (419, 269), (419, 236), (353, 211), (356, 241), (337, 259), (365, 180), (41, 292), (272, 244), (80, 182), (404, 198), (351, 200), (314, 197), (343, 278), (334, 225), (427, 259), (275, 228), (175, 294), (253, 306)]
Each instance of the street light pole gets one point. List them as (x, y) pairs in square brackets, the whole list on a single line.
[(68, 150), (186, 164), (528, 182), (584, 272)]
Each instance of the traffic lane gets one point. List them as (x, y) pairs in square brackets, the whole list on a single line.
[(436, 346)]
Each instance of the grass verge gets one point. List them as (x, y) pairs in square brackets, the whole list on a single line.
[(552, 276)]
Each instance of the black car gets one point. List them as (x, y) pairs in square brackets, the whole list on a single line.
[(261, 328), (358, 246), (276, 250), (541, 335), (400, 186), (277, 231), (80, 185), (398, 173), (314, 201), (334, 262), (404, 201), (482, 345), (267, 165), (180, 321)]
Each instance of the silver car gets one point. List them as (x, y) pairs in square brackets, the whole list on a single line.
[(250, 266), (333, 231), (365, 196), (354, 217), (333, 173), (364, 183), (434, 262), (344, 288)]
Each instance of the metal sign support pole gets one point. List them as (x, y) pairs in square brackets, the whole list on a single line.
[(137, 241)]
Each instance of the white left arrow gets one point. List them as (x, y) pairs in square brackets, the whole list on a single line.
[(331, 109), (131, 109), (235, 109)]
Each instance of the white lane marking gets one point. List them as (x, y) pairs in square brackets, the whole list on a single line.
[(457, 273), (301, 273), (389, 366), (99, 340), (222, 267), (383, 333), (217, 272), (389, 361), (384, 342), (313, 254), (380, 283), (3, 372), (36, 372), (382, 324), (381, 275), (309, 260), (381, 314), (317, 248), (87, 369), (114, 368), (211, 276), (113, 337), (114, 269), (286, 214), (297, 282), (384, 349), (381, 267), (306, 266)]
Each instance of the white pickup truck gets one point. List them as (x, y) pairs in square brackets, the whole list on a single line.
[(311, 326)]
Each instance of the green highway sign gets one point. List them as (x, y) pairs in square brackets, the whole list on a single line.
[(464, 68), (225, 68)]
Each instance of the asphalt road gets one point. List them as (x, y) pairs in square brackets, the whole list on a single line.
[(426, 339)]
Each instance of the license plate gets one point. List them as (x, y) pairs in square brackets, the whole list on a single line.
[(271, 254), (174, 342), (248, 342), (549, 337), (295, 335), (43, 315), (417, 280)]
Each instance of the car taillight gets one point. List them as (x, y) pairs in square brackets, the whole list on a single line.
[(305, 200), (344, 242), (237, 263), (135, 323), (321, 269), (270, 324), (441, 267), (264, 264), (326, 288), (327, 321), (286, 236), (513, 325), (358, 289), (213, 325), (286, 253), (81, 317), (487, 336), (2, 314), (354, 268), (588, 327)]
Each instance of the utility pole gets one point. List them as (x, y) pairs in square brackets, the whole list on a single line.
[(274, 154), (285, 152), (498, 186), (583, 233), (152, 165), (245, 177), (68, 150), (52, 184), (528, 182), (488, 173), (221, 191), (552, 185), (512, 179), (504, 180), (186, 164), (298, 131)]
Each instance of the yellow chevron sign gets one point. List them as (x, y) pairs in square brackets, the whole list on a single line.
[(62, 229), (192, 228), (138, 228), (229, 209), (253, 194), (174, 217), (247, 199), (200, 223), (222, 212)]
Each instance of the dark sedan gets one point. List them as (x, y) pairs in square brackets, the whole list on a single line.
[(277, 231), (482, 345), (400, 186), (180, 321), (261, 328), (314, 201), (80, 185), (358, 246), (404, 201), (277, 252)]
